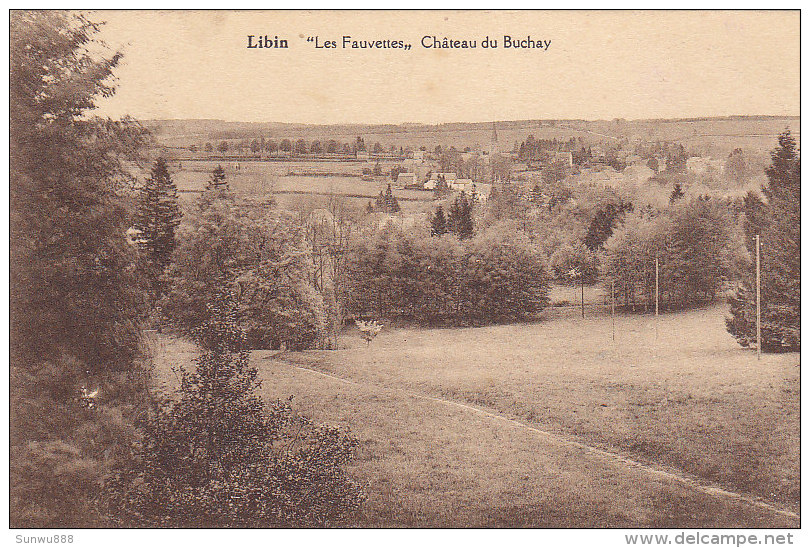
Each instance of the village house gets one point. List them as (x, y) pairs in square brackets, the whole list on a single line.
[(404, 179)]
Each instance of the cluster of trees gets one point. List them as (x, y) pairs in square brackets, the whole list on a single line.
[(674, 154), (496, 276), (459, 220), (694, 243), (777, 220), (264, 259), (574, 262), (537, 149), (386, 202), (81, 295)]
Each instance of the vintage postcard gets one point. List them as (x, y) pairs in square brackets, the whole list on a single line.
[(405, 269)]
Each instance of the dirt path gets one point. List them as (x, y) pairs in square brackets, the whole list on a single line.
[(678, 476)]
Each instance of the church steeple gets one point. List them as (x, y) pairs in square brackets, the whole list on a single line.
[(493, 146)]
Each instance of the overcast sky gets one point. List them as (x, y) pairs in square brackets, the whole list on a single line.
[(599, 65)]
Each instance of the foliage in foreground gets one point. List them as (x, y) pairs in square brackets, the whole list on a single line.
[(74, 291), (218, 457)]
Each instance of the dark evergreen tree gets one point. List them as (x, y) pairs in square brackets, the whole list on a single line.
[(438, 223), (391, 204), (604, 222), (441, 189), (536, 195), (460, 220), (677, 193), (157, 219), (777, 221), (218, 179)]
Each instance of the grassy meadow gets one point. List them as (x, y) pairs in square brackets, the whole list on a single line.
[(553, 424), (294, 182)]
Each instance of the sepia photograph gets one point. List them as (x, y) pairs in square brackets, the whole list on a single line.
[(405, 269)]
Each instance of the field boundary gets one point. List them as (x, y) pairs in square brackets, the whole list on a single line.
[(688, 480)]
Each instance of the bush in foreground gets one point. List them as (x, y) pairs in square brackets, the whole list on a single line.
[(218, 457)]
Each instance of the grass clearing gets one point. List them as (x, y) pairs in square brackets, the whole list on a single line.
[(694, 402)]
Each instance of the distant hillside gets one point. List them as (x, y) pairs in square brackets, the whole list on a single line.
[(757, 133)]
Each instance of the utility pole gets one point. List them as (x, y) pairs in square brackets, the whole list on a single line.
[(656, 287), (582, 286), (613, 308), (656, 298), (759, 310)]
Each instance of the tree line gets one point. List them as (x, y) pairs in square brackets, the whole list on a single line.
[(496, 276)]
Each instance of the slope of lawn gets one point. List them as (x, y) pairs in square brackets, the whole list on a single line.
[(688, 397), (693, 403)]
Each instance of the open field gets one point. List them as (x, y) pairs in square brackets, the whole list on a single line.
[(287, 182), (552, 424)]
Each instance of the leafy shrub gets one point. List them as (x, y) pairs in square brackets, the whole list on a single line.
[(218, 457), (264, 261)]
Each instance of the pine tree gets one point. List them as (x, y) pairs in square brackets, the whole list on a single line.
[(536, 195), (391, 203), (438, 224), (441, 189), (218, 180), (778, 222), (460, 221), (157, 218), (677, 193)]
